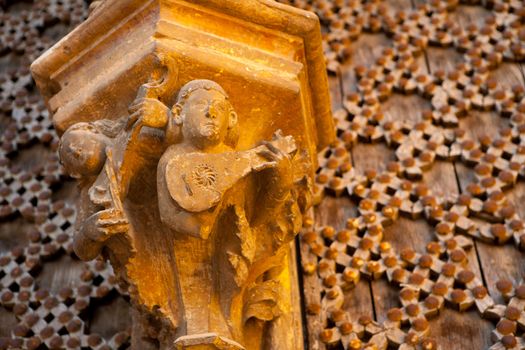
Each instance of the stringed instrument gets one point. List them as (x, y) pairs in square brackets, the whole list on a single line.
[(197, 181)]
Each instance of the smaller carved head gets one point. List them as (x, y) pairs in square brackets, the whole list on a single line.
[(206, 114), (82, 150)]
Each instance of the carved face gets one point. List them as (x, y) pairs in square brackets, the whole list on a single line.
[(82, 151), (206, 117)]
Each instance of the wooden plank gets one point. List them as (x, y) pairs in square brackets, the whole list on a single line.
[(495, 262), (336, 97), (60, 272), (398, 5), (376, 156), (334, 212), (13, 233), (466, 15), (110, 316), (451, 327), (461, 331), (444, 59), (522, 71), (507, 75), (8, 322), (402, 234), (312, 298), (366, 49), (371, 156), (34, 156), (498, 262)]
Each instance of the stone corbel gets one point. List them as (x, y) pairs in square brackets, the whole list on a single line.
[(192, 128)]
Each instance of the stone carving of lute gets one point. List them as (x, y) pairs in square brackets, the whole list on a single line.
[(197, 181)]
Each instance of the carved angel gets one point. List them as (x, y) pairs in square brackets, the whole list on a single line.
[(84, 153), (104, 155)]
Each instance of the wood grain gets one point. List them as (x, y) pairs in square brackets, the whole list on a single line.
[(493, 262), (452, 329)]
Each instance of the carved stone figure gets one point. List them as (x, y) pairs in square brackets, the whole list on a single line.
[(86, 153), (229, 225), (104, 155), (192, 127), (228, 214)]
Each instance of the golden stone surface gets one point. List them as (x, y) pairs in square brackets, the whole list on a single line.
[(192, 128)]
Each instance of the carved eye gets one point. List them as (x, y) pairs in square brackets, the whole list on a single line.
[(220, 108), (91, 128)]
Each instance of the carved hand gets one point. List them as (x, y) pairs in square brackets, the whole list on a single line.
[(148, 112), (274, 154), (282, 175), (105, 223)]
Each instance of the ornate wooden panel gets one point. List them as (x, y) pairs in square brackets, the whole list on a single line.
[(49, 299), (420, 214), (416, 240)]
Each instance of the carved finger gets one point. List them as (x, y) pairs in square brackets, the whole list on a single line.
[(119, 228), (109, 213), (111, 230), (272, 147), (103, 224), (265, 165), (268, 155), (133, 119), (133, 108), (111, 216), (112, 222)]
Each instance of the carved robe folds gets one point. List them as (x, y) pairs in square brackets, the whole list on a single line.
[(192, 128)]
